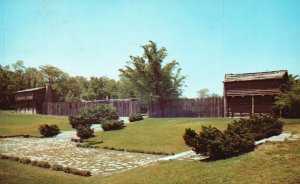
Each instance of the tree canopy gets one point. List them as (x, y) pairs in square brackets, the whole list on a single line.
[(68, 88), (288, 102), (151, 80)]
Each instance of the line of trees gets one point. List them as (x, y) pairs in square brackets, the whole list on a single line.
[(68, 88), (145, 77)]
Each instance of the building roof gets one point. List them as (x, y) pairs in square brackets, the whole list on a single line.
[(28, 90), (255, 76)]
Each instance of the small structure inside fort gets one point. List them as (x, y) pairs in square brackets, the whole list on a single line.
[(248, 93), (31, 101)]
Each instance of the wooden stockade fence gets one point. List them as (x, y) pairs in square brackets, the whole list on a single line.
[(124, 107), (184, 107)]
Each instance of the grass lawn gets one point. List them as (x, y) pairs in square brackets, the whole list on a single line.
[(165, 134), (12, 123), (157, 134), (291, 125)]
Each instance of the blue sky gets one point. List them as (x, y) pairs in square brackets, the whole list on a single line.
[(207, 37)]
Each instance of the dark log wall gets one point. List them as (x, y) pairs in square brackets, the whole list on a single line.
[(38, 100), (263, 104), (251, 96), (262, 84), (239, 104), (30, 101)]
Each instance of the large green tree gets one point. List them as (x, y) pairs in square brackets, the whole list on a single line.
[(125, 89), (33, 77), (76, 86), (151, 80), (100, 88), (57, 79), (288, 102)]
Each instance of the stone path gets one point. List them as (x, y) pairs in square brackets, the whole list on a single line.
[(60, 150)]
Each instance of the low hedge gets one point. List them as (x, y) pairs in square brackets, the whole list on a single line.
[(25, 160), (112, 125), (238, 138), (14, 158), (21, 135), (135, 117), (76, 171), (89, 144), (46, 165), (57, 167), (136, 151)]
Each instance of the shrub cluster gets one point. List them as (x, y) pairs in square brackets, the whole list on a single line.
[(94, 114), (259, 126), (112, 125), (238, 138), (48, 130), (135, 117), (84, 132), (46, 165)]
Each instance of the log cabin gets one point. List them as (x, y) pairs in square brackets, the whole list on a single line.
[(30, 101), (249, 93)]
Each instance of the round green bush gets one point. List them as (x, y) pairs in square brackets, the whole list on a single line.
[(49, 130), (135, 117), (238, 138), (84, 132), (112, 125)]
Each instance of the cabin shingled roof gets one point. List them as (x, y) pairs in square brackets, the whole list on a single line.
[(31, 89), (255, 76)]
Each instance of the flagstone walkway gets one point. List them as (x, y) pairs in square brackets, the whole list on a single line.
[(61, 150)]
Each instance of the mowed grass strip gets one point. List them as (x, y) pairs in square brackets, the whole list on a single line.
[(157, 134), (292, 125), (12, 123)]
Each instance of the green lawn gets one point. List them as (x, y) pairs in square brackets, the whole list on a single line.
[(165, 134), (291, 125), (157, 134), (12, 123)]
